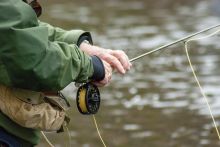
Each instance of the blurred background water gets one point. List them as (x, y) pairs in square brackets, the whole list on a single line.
[(157, 104)]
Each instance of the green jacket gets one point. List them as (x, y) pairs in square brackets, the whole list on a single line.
[(37, 56), (48, 58)]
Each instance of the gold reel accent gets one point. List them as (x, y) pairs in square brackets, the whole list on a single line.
[(82, 102), (88, 99)]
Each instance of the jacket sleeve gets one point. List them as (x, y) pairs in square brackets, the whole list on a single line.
[(70, 37), (30, 59)]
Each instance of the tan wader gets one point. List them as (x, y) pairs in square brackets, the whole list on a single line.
[(33, 109)]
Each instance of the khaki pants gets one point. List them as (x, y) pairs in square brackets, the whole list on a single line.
[(44, 116)]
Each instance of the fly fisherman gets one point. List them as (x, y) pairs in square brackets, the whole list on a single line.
[(36, 61)]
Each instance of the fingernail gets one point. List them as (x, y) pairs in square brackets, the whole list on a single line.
[(123, 71)]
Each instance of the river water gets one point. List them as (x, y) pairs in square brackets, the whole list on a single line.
[(157, 104)]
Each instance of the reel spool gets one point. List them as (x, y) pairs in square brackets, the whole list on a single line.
[(88, 99)]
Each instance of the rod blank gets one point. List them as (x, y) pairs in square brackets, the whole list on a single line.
[(173, 43)]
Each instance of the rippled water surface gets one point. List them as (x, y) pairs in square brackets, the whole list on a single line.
[(157, 104)]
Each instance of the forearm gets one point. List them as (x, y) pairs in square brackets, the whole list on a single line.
[(70, 36)]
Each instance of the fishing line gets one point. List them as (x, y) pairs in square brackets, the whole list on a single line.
[(197, 80), (97, 128), (68, 135), (186, 40), (47, 140)]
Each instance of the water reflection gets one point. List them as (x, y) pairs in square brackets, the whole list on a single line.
[(158, 103)]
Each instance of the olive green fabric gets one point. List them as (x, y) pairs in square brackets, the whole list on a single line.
[(58, 34), (36, 56), (32, 52)]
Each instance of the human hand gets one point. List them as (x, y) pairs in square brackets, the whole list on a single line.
[(108, 75), (116, 58)]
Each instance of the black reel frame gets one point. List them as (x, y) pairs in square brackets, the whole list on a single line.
[(92, 98)]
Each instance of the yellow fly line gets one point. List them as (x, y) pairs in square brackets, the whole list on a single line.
[(82, 100), (197, 80)]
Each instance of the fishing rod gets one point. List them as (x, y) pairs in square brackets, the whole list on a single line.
[(88, 96), (173, 43)]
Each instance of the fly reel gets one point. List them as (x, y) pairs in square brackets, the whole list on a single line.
[(88, 99)]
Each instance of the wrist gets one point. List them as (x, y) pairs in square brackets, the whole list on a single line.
[(84, 44), (87, 48)]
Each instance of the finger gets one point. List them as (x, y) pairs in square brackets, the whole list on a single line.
[(123, 58), (102, 83), (108, 68), (108, 74), (113, 61), (106, 65), (98, 84)]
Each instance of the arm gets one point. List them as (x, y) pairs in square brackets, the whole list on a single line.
[(116, 58), (70, 37), (30, 60)]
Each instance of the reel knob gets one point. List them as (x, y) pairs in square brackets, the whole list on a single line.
[(88, 99)]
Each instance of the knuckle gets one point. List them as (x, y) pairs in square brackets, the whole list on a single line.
[(114, 60), (108, 50), (120, 52), (104, 56)]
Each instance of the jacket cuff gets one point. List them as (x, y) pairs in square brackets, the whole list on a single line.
[(85, 36), (98, 67)]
